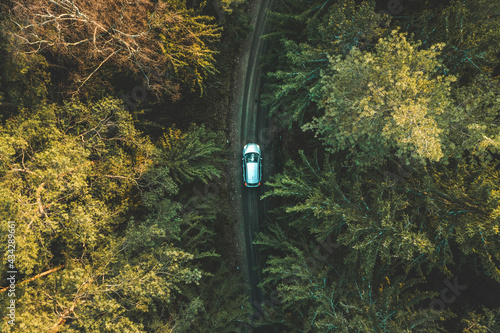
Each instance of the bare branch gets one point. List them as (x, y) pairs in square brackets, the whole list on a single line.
[(129, 34), (95, 70), (50, 271)]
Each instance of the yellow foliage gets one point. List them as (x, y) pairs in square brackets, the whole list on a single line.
[(171, 137)]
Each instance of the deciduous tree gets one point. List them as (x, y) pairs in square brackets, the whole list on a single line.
[(326, 29), (163, 42), (386, 102)]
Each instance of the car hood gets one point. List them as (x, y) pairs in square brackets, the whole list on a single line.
[(253, 173)]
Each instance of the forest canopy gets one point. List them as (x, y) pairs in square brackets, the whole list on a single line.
[(388, 190), (102, 216), (139, 36), (384, 210)]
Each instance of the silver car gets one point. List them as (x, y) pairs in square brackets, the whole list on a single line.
[(252, 165)]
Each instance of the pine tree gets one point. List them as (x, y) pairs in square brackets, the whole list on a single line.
[(470, 33)]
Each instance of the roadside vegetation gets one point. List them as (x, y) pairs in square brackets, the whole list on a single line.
[(388, 214), (103, 175)]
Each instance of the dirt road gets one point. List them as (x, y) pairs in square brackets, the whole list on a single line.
[(249, 124)]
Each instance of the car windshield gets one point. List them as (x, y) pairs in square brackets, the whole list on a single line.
[(252, 157)]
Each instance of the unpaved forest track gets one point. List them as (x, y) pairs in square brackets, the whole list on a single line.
[(248, 122)]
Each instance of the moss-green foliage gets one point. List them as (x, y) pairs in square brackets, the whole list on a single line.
[(377, 223), (114, 233), (485, 321), (90, 192), (306, 35), (192, 155), (403, 184), (469, 29), (392, 100), (24, 79)]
